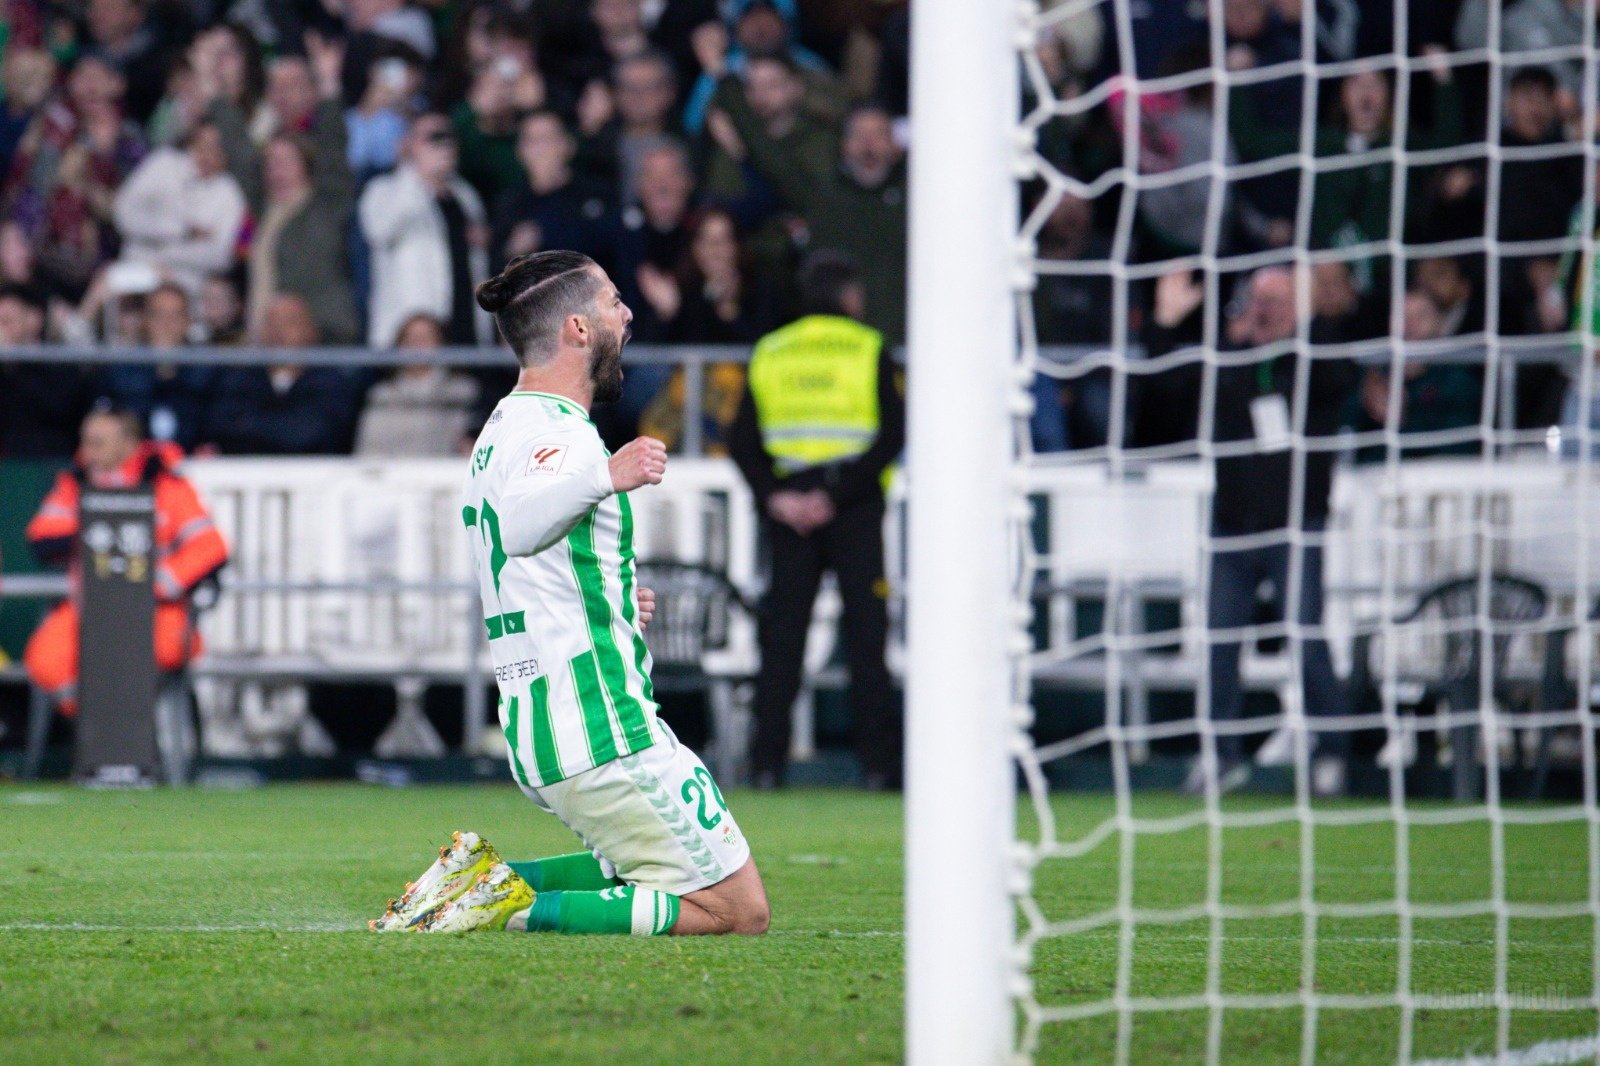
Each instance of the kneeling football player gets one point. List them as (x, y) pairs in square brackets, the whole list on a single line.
[(551, 529)]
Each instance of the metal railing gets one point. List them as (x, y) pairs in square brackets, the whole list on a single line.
[(1065, 360)]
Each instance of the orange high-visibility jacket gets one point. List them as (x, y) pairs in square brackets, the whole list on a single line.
[(188, 546)]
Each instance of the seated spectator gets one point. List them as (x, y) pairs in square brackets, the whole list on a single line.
[(551, 208), (1433, 397), (181, 211), (220, 315), (188, 548), (287, 408), (644, 89), (300, 190), (486, 122), (27, 76), (121, 33), (858, 206), (422, 409), (41, 404), (429, 239), (65, 173), (170, 399)]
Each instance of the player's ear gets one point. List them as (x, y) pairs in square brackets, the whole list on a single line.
[(575, 331)]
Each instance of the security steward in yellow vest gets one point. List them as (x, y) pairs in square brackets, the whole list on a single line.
[(823, 417)]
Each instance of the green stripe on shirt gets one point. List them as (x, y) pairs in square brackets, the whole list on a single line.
[(607, 656), (592, 702)]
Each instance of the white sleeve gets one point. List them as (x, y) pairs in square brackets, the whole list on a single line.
[(553, 483)]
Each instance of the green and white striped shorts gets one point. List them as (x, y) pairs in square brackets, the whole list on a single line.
[(656, 817)]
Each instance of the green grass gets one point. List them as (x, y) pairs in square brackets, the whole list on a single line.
[(143, 927)]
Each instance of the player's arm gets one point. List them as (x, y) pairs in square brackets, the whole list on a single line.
[(542, 505)]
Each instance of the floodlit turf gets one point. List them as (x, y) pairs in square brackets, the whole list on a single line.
[(220, 926)]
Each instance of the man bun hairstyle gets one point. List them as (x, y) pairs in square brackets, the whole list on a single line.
[(532, 297)]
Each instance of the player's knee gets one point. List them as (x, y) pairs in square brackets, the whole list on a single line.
[(753, 917)]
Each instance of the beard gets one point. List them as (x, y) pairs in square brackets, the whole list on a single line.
[(605, 367)]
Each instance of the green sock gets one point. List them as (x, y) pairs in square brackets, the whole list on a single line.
[(578, 872), (624, 910)]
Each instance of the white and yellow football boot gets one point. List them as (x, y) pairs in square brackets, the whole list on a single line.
[(488, 904), (461, 862)]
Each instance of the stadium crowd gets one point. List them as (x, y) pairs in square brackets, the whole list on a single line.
[(304, 172)]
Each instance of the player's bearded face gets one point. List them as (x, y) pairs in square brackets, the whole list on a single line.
[(605, 364)]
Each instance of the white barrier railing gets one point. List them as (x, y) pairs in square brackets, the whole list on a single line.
[(355, 566)]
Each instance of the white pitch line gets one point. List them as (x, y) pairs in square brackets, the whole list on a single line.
[(1544, 1053)]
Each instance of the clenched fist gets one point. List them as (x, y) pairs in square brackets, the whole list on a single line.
[(641, 461)]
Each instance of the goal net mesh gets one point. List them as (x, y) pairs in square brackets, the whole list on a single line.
[(1302, 536)]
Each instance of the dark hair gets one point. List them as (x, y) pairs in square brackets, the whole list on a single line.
[(533, 296), (26, 294), (824, 277), (654, 56), (1534, 78)]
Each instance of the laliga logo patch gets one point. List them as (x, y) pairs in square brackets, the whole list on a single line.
[(547, 459)]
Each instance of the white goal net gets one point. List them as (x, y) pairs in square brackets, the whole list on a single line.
[(1302, 559)]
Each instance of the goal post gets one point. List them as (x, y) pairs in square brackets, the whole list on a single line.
[(961, 468)]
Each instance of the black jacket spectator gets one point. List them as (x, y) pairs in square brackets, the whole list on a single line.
[(312, 413)]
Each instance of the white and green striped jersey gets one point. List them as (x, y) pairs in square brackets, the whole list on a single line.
[(552, 545)]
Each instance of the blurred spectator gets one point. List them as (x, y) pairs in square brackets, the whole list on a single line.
[(721, 299), (551, 208), (181, 211), (1175, 132), (715, 298), (615, 137), (17, 258), (486, 122), (41, 404), (1532, 25), (1257, 416), (761, 29), (775, 95), (223, 61), (27, 76), (1257, 35), (858, 206), (171, 399), (299, 188), (377, 124), (1432, 397), (66, 170), (188, 548), (1072, 309), (372, 28), (221, 311), (121, 34), (1457, 298), (286, 408), (654, 235), (1351, 205), (429, 240), (292, 100), (422, 409)]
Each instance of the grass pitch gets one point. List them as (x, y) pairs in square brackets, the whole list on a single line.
[(161, 926)]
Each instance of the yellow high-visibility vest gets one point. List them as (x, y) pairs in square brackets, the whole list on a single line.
[(815, 385)]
